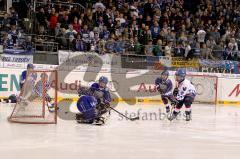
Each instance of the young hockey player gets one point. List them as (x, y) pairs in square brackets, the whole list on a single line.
[(24, 74), (39, 90), (93, 103), (185, 93), (164, 86)]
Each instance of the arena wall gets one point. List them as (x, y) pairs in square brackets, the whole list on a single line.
[(133, 86)]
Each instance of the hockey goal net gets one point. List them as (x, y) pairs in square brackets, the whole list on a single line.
[(37, 102), (206, 87)]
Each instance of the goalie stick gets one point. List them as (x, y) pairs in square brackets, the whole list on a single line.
[(132, 119)]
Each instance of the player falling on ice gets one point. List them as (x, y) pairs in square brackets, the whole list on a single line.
[(164, 87), (38, 90), (185, 93), (93, 103), (27, 81)]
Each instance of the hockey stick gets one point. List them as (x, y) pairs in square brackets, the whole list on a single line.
[(132, 119)]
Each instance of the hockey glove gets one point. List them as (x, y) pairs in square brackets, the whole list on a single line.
[(175, 92)]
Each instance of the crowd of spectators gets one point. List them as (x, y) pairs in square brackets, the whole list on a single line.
[(11, 36), (207, 29)]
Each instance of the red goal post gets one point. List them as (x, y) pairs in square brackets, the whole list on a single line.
[(37, 103)]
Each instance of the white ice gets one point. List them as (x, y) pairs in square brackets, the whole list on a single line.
[(214, 133)]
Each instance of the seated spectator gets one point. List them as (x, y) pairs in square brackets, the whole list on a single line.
[(218, 51), (201, 35), (138, 48), (229, 53), (4, 40), (168, 49), (149, 48), (158, 49), (5, 23), (9, 44), (70, 33), (105, 34), (27, 44), (179, 50), (206, 52), (95, 35), (61, 38), (100, 47), (100, 23), (78, 44), (188, 54), (196, 50)]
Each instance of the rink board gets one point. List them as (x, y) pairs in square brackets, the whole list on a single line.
[(140, 82)]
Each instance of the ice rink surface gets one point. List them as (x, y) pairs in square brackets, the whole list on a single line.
[(214, 133)]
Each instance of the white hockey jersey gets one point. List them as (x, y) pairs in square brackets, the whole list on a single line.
[(38, 88), (185, 88)]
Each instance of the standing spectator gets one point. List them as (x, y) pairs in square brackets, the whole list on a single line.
[(42, 18), (13, 16), (76, 25), (57, 29), (148, 8), (85, 33), (53, 21)]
